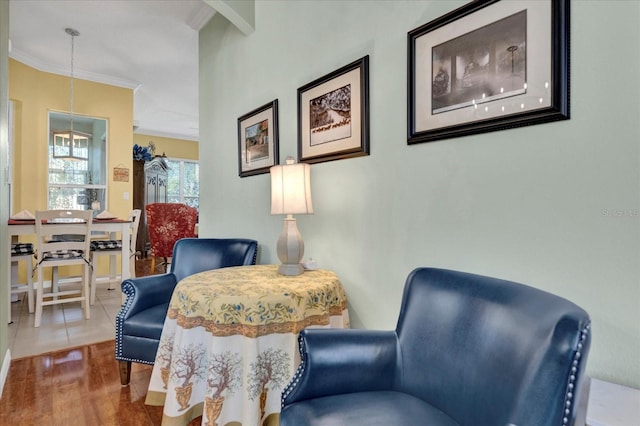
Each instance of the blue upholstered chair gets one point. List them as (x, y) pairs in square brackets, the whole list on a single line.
[(140, 320), (467, 350)]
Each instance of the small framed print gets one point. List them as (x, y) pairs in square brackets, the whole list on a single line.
[(258, 140), (120, 174), (333, 115), (488, 65)]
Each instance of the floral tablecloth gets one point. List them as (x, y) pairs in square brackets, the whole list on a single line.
[(229, 342)]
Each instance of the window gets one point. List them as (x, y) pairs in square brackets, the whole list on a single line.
[(77, 162), (184, 182)]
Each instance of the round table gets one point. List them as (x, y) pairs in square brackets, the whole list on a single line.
[(229, 342)]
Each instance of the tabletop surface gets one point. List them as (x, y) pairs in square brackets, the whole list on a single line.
[(256, 300), (32, 221)]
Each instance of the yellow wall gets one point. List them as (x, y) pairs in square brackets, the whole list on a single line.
[(172, 148), (34, 94)]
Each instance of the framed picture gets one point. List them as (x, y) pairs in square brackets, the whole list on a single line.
[(258, 140), (333, 115), (489, 65)]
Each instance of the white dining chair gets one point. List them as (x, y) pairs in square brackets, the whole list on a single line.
[(53, 251), (23, 252), (113, 248)]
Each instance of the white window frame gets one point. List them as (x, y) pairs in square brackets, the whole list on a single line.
[(104, 187)]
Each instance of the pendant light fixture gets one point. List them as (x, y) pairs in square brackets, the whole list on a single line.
[(70, 144)]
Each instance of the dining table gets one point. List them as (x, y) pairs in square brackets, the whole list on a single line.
[(111, 226), (229, 344)]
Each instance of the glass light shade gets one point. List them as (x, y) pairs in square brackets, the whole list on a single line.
[(70, 145)]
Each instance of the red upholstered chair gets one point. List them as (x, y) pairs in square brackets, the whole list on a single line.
[(167, 223)]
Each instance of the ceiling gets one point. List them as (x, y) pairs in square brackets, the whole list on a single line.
[(150, 46)]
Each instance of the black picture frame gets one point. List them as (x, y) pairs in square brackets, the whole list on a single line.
[(258, 146), (481, 44), (327, 134)]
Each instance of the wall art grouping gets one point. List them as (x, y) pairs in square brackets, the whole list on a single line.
[(488, 65)]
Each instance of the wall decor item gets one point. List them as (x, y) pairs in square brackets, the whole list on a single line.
[(258, 140), (121, 173), (333, 115), (488, 65)]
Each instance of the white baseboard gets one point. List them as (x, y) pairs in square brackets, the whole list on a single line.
[(4, 372)]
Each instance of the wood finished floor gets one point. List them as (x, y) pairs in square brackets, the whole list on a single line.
[(78, 386)]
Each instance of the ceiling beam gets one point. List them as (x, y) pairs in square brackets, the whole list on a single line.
[(201, 16), (242, 14)]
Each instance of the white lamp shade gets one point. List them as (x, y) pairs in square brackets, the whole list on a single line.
[(291, 189)]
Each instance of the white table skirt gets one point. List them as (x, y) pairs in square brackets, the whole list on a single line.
[(248, 373)]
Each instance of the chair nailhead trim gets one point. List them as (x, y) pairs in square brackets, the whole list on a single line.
[(568, 398), (298, 374), (130, 292)]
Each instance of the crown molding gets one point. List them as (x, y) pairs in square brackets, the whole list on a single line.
[(160, 134), (40, 65)]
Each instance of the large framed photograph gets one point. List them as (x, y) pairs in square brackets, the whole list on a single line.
[(489, 65), (258, 140), (333, 115)]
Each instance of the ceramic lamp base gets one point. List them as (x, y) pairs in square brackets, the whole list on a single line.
[(290, 248)]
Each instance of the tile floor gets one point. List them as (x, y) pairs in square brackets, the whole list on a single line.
[(63, 326)]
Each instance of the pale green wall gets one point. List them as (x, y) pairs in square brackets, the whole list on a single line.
[(556, 206)]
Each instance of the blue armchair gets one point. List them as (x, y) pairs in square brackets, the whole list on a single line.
[(467, 350), (140, 320)]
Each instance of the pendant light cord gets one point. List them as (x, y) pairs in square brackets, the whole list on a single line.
[(73, 33)]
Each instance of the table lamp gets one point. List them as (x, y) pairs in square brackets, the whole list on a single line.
[(291, 194)]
